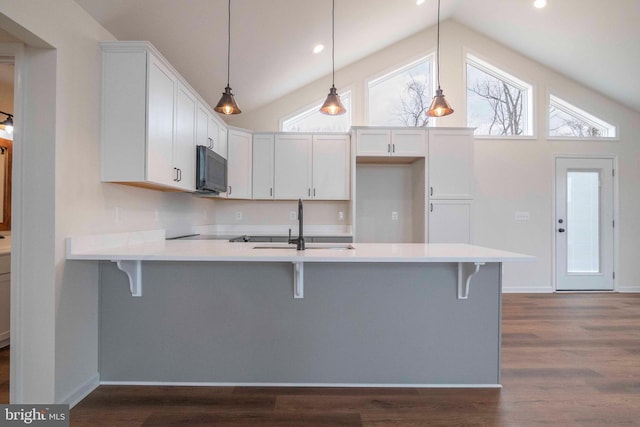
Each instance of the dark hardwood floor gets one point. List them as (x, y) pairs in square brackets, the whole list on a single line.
[(567, 360)]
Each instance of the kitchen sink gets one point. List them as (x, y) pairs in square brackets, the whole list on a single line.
[(326, 246)]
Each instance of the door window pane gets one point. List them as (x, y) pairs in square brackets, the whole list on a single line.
[(583, 222)]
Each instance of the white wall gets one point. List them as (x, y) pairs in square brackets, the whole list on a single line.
[(511, 175), (62, 196)]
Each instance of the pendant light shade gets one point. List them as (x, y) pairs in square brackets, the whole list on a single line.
[(439, 106), (333, 106), (227, 104), (7, 123)]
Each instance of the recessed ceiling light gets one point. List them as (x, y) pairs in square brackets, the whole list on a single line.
[(540, 3), (419, 2), (318, 48)]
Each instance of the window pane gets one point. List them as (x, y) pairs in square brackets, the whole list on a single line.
[(312, 120), (583, 222), (402, 97), (495, 106), (566, 120)]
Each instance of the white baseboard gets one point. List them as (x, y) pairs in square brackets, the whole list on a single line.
[(629, 289), (82, 391), (206, 384), (514, 290)]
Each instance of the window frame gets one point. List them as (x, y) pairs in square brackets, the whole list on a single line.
[(501, 73), (580, 114), (316, 105), (388, 72)]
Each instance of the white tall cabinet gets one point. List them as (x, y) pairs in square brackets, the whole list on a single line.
[(148, 119), (450, 185)]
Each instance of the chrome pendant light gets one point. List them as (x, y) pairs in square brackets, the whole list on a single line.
[(333, 106), (227, 104), (439, 106)]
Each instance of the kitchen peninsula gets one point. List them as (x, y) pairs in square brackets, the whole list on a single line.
[(214, 312)]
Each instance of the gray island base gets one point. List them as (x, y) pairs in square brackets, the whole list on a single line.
[(359, 324)]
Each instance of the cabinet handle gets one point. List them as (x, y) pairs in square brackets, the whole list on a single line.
[(314, 192), (271, 191), (176, 178), (210, 142), (431, 191), (388, 148), (309, 191), (179, 174), (230, 190), (394, 147), (431, 207)]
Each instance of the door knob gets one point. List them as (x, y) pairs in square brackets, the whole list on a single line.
[(560, 230)]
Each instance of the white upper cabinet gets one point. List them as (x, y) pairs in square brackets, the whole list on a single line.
[(381, 142), (148, 120), (292, 177), (450, 162), (331, 167), (209, 132), (184, 148), (263, 160), (312, 166), (239, 164)]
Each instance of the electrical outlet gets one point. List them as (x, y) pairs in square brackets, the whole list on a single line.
[(238, 215), (394, 216), (522, 216), (293, 215), (341, 216)]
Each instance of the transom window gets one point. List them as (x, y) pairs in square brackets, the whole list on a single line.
[(312, 120), (568, 121), (401, 97), (497, 103)]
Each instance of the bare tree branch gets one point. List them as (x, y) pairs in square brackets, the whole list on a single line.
[(414, 103)]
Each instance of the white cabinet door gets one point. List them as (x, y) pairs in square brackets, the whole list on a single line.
[(161, 125), (222, 141), (449, 221), (331, 167), (408, 143), (184, 152), (213, 133), (292, 177), (202, 124), (373, 142), (239, 164), (450, 163), (263, 158)]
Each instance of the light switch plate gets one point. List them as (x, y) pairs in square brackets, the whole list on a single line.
[(522, 216), (394, 216), (293, 215), (238, 215)]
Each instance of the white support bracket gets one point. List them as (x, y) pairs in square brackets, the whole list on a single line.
[(466, 270), (298, 280), (133, 270)]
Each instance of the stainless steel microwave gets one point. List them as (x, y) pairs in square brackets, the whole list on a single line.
[(211, 171)]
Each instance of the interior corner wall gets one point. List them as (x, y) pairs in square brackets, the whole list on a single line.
[(511, 174), (61, 143)]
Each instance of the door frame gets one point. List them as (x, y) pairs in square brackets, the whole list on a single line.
[(554, 250)]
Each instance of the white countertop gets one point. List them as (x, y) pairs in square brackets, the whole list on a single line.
[(152, 246)]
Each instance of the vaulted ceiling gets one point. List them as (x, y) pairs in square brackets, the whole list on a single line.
[(594, 42)]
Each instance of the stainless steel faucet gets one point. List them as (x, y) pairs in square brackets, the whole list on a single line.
[(300, 240)]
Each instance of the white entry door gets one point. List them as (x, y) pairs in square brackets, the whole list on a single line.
[(584, 224)]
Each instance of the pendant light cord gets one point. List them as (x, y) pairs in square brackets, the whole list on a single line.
[(438, 47), (333, 43), (229, 43)]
